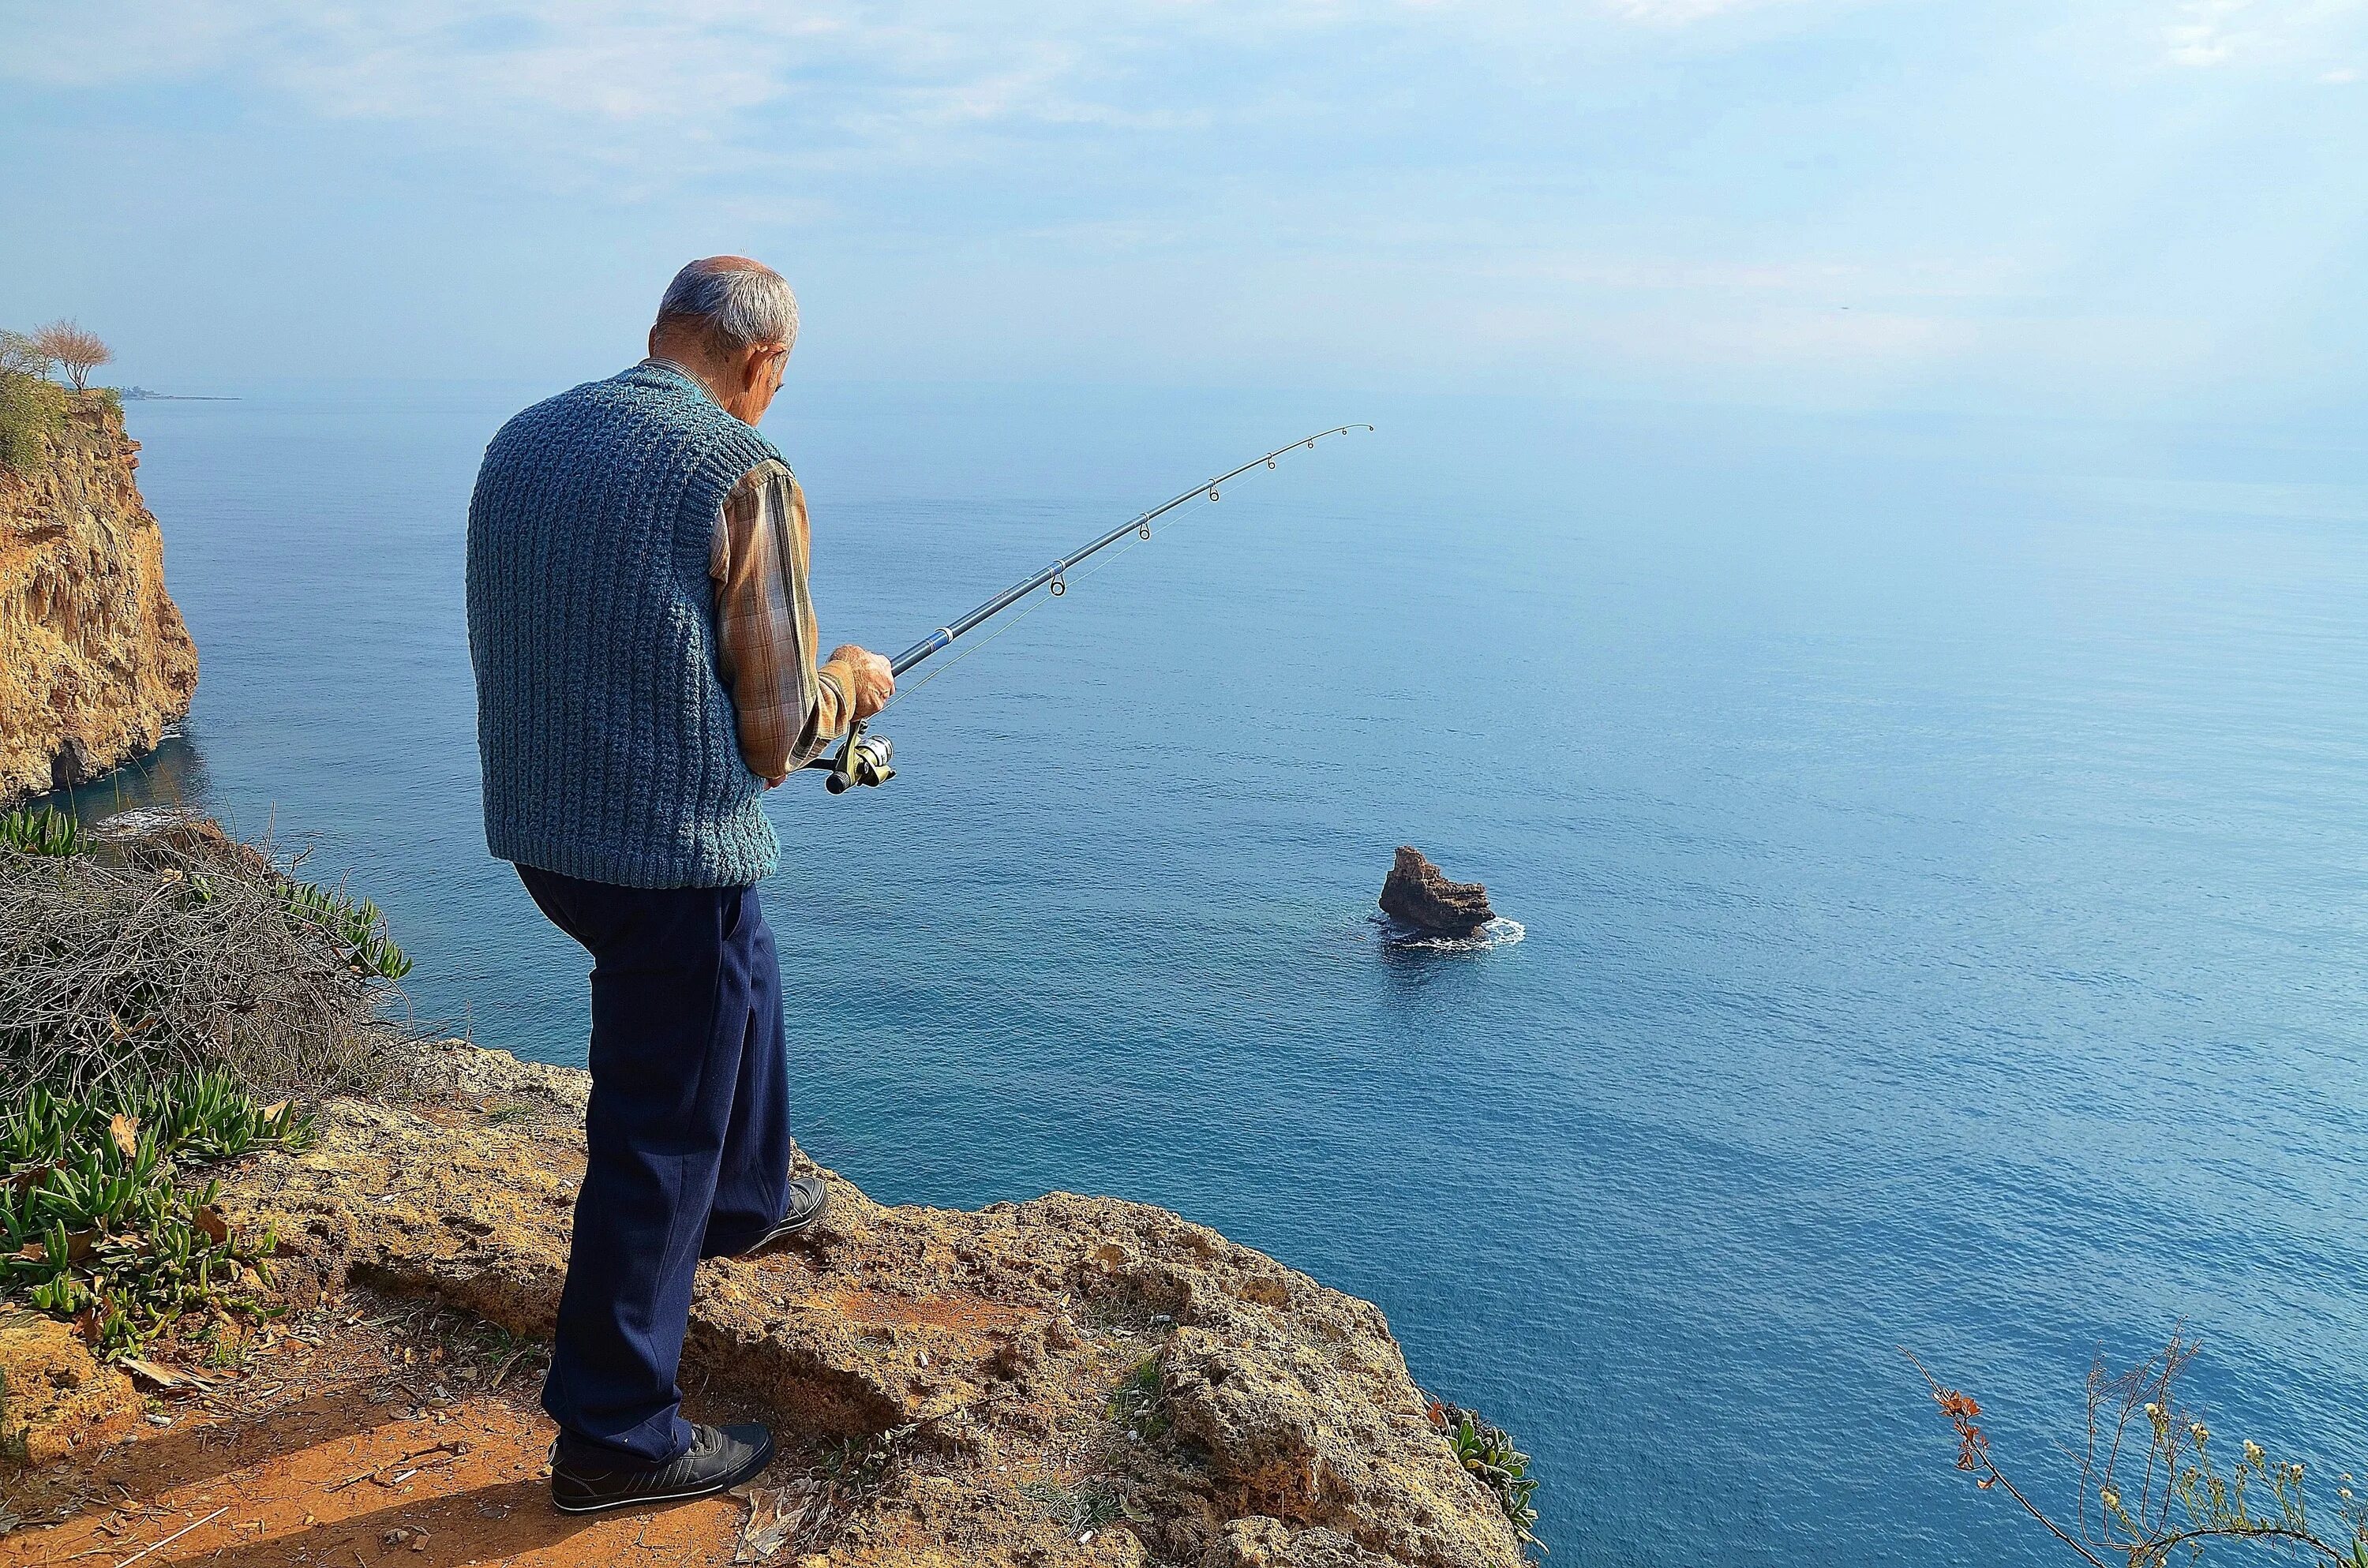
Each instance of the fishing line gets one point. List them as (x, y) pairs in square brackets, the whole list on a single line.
[(1072, 580), (864, 759)]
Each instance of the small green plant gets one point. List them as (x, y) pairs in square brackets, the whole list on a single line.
[(2152, 1488), (1488, 1453), (198, 1117), (1136, 1404), (47, 831), (858, 1467), (205, 1116), (222, 1352), (358, 925), (93, 1225), (1088, 1506), (492, 1350)]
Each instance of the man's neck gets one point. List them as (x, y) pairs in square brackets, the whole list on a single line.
[(687, 372)]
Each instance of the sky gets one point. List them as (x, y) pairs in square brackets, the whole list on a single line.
[(1970, 204)]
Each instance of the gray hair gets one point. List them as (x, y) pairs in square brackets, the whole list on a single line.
[(733, 303)]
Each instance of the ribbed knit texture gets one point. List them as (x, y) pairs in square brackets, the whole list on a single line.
[(609, 742)]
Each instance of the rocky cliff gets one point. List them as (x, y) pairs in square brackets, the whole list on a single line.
[(94, 659), (1068, 1381)]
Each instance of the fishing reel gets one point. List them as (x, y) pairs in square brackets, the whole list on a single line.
[(863, 760)]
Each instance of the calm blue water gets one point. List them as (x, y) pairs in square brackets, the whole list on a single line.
[(1940, 846)]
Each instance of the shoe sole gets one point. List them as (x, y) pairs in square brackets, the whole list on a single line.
[(650, 1500)]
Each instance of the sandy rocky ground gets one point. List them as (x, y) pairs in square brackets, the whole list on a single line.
[(1070, 1380)]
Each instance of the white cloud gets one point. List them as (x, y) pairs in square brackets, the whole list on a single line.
[(1676, 12), (697, 86), (1563, 177), (2219, 32), (882, 64), (2207, 32), (691, 64), (1835, 282)]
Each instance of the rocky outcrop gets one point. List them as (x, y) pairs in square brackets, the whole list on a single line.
[(1419, 894), (55, 1397), (94, 659), (1062, 1381)]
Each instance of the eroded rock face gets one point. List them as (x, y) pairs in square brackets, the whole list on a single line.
[(56, 1398), (94, 661), (1272, 1419), (1419, 893)]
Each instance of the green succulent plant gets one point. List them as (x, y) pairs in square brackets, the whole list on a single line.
[(94, 1222), (356, 923), (1488, 1453), (45, 831)]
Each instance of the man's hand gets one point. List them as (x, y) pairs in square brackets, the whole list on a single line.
[(873, 685)]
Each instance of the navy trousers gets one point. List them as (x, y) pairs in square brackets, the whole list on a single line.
[(687, 1145)]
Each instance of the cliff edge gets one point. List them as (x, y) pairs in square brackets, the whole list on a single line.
[(94, 661), (1067, 1381)]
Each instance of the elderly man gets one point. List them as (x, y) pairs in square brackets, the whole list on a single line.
[(645, 651)]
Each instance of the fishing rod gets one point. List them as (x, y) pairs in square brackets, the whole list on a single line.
[(863, 759)]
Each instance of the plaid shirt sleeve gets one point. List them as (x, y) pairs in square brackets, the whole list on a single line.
[(789, 708)]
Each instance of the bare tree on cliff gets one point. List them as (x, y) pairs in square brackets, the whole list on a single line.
[(79, 351)]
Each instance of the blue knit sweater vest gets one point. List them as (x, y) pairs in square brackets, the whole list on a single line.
[(609, 745)]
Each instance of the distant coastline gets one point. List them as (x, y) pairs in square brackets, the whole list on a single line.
[(141, 394)]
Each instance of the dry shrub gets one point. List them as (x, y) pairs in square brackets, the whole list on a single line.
[(176, 947)]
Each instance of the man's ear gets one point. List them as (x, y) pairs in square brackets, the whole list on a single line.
[(752, 360)]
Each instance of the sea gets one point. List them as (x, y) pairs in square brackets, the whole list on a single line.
[(1938, 846)]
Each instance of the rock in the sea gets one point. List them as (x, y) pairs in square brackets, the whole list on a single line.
[(94, 659), (1419, 893), (1023, 1361)]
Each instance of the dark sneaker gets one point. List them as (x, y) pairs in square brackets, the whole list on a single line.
[(718, 1460), (809, 1196)]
